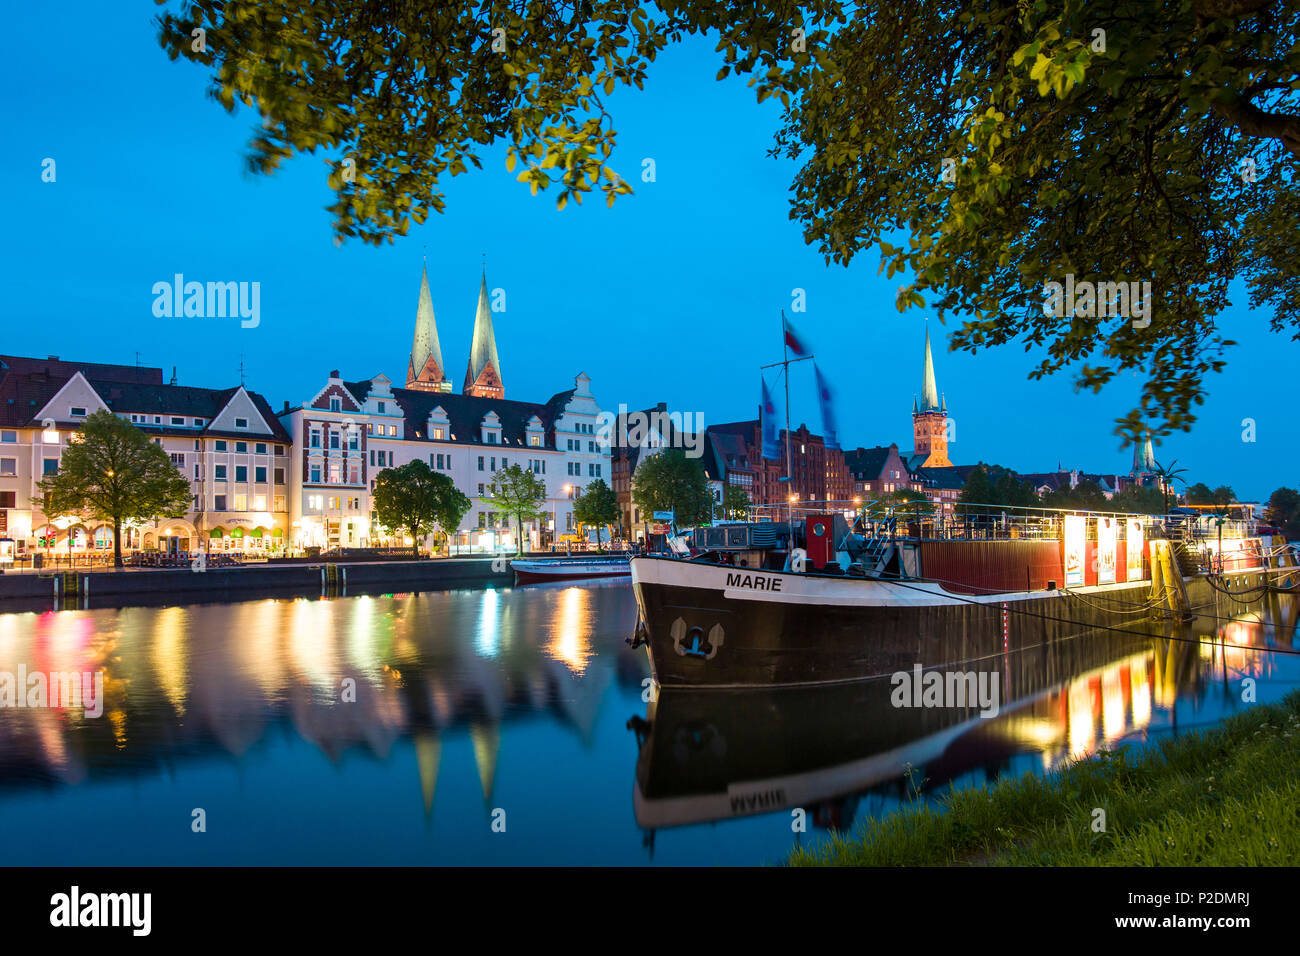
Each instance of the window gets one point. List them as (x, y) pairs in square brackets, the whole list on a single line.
[(336, 405), (8, 437), (8, 467), (279, 476), (315, 438), (260, 448), (78, 411), (196, 471), (336, 472), (279, 503), (439, 434), (177, 420), (259, 502), (314, 502), (279, 451), (241, 448), (382, 407), (219, 445), (178, 459), (480, 488), (241, 422), (218, 472), (241, 502), (315, 474), (8, 499), (354, 474), (198, 445), (534, 440), (218, 502), (492, 438), (591, 447), (493, 462), (259, 476), (480, 462), (241, 473), (353, 439), (334, 440), (198, 423), (51, 466), (157, 419)]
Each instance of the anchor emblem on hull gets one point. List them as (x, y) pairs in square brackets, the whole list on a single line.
[(692, 641)]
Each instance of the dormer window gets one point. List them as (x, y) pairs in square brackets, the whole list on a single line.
[(336, 405), (535, 440), (439, 433), (491, 438)]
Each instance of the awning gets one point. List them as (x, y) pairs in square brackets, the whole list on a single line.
[(236, 532), (277, 533), (255, 533), (215, 533)]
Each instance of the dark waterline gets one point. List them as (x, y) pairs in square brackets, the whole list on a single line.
[(477, 705)]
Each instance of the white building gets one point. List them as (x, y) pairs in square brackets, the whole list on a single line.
[(349, 431), (226, 442)]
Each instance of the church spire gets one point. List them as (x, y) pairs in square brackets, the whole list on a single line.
[(483, 375), (424, 371), (929, 391)]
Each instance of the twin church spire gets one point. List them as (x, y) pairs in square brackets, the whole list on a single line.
[(426, 372)]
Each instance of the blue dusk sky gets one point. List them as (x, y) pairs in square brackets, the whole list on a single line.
[(674, 295)]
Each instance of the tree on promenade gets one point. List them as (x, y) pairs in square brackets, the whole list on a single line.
[(414, 498), (113, 471), (520, 494)]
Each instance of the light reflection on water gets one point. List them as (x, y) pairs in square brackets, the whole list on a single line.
[(388, 729)]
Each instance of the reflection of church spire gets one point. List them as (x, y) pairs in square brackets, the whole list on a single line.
[(424, 371), (428, 752), (483, 374), (487, 744)]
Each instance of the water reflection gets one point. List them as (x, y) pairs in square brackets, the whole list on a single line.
[(712, 756), (385, 729)]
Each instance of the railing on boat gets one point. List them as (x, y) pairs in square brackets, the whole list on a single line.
[(877, 519)]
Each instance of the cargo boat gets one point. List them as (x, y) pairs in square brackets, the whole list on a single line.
[(846, 593), (534, 570)]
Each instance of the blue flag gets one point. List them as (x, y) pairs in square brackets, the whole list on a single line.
[(771, 447), (828, 412)]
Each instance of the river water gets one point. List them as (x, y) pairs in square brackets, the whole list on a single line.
[(515, 726)]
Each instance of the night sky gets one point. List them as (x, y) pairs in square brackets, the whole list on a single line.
[(674, 295)]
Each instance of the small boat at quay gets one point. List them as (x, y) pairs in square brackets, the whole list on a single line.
[(533, 570), (846, 592)]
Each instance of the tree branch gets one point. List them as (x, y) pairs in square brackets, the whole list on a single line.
[(1253, 121)]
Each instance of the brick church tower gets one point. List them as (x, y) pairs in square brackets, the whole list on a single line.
[(930, 419)]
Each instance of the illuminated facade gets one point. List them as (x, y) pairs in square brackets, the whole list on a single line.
[(226, 442), (349, 431)]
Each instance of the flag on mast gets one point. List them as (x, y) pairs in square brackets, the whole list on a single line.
[(792, 341), (771, 447), (829, 436)]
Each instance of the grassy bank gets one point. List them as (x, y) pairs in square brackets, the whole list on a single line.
[(1226, 796)]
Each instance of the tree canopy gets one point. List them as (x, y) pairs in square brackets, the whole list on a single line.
[(596, 505), (985, 149), (114, 472), (414, 498), (517, 492), (669, 481)]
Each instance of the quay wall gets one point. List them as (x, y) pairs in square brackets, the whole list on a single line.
[(174, 585)]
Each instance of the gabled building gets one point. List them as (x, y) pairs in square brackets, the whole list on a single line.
[(226, 442), (878, 471), (350, 430)]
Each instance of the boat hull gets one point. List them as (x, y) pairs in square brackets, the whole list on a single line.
[(711, 625), (532, 572)]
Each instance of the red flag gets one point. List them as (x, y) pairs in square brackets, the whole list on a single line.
[(792, 341)]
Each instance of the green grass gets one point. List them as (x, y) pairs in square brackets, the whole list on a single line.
[(1226, 796)]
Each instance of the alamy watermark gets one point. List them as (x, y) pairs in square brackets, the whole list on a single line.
[(212, 300), (84, 689), (655, 429), (916, 688), (1129, 300)]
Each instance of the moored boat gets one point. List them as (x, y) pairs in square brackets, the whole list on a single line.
[(531, 571), (843, 595)]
